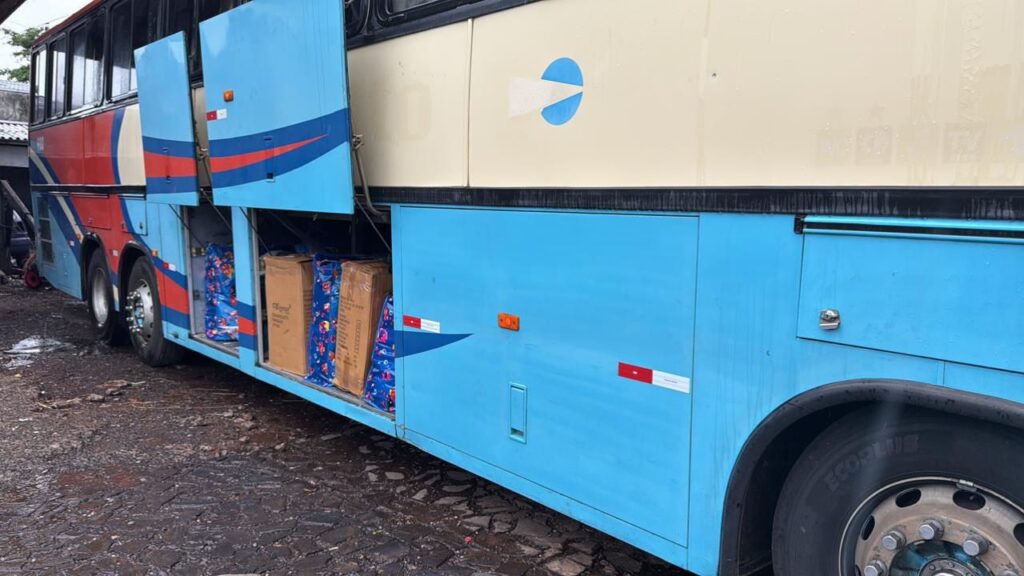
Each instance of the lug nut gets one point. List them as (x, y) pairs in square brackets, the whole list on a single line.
[(875, 568), (975, 546), (893, 541), (930, 530)]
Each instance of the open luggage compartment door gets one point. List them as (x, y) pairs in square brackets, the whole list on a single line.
[(168, 134), (277, 106)]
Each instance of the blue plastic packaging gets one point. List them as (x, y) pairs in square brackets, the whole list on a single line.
[(380, 382), (221, 301), (323, 329)]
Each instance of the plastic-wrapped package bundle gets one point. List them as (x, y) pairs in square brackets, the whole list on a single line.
[(380, 382), (323, 329), (221, 301)]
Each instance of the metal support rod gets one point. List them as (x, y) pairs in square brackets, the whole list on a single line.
[(19, 207)]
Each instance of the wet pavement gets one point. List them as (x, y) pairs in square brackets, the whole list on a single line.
[(110, 467)]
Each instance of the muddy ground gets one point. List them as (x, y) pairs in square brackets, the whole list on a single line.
[(110, 467)]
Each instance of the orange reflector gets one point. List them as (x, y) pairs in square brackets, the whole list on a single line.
[(229, 95), (155, 253), (508, 322)]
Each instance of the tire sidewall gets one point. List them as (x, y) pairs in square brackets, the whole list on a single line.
[(868, 451), (157, 351), (108, 331)]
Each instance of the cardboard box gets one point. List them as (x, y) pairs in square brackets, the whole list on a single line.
[(289, 291), (364, 286)]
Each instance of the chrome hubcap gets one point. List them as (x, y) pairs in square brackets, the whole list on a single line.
[(139, 311), (935, 527), (99, 300)]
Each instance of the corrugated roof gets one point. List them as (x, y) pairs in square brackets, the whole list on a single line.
[(12, 86), (14, 132)]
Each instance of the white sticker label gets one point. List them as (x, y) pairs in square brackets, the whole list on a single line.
[(430, 326), (671, 381)]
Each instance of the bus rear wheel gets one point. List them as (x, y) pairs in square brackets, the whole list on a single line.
[(145, 320), (891, 493), (100, 298)]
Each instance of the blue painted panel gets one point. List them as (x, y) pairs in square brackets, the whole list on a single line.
[(135, 212), (65, 271), (592, 290), (165, 108), (283, 142), (950, 299)]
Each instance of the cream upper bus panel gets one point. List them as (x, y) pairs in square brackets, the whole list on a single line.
[(636, 123), (130, 165), (410, 101), (833, 92)]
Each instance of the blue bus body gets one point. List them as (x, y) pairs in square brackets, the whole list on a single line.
[(654, 343)]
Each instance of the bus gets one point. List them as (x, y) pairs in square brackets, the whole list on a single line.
[(738, 283)]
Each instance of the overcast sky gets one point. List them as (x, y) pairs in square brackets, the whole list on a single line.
[(37, 13)]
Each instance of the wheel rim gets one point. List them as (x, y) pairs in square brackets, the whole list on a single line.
[(100, 308), (140, 312), (934, 527)]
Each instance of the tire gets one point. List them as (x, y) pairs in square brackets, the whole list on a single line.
[(848, 478), (99, 295), (142, 309)]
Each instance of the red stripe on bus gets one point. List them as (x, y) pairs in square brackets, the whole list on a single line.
[(226, 163), (160, 166), (412, 322), (246, 326)]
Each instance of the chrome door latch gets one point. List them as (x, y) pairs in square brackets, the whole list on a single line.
[(829, 319)]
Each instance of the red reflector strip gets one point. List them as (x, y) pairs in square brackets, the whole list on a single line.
[(655, 377), (422, 324), (211, 116), (640, 374)]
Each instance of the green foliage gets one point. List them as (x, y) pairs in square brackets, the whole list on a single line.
[(22, 43)]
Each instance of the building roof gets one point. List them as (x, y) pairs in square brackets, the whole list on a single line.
[(7, 7), (12, 86), (13, 132)]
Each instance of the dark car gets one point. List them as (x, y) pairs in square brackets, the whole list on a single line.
[(21, 243)]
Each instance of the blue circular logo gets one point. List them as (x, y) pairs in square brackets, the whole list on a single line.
[(564, 71)]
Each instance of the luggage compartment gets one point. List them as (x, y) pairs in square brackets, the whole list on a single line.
[(322, 285), (889, 283), (557, 345)]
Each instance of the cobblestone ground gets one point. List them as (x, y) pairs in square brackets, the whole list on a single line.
[(110, 467)]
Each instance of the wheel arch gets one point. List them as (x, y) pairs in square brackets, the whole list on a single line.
[(772, 449), (130, 254), (91, 243)]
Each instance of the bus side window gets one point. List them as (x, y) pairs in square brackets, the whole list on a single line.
[(87, 63), (58, 65), (39, 85), (210, 8), (396, 6), (122, 65)]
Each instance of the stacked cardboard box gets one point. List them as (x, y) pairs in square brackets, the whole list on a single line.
[(289, 291), (364, 287)]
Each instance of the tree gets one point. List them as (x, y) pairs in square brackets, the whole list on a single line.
[(22, 43)]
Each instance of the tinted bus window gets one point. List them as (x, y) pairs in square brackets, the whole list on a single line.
[(39, 86), (58, 51), (133, 24), (122, 66), (180, 14), (86, 64), (395, 6), (145, 16), (210, 8)]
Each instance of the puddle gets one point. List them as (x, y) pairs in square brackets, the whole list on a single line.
[(37, 345), (25, 352), (18, 362)]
